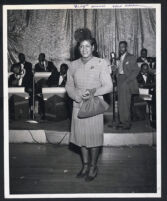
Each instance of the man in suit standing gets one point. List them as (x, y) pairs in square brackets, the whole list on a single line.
[(127, 84)]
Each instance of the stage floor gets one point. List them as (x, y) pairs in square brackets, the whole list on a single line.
[(64, 125), (39, 169)]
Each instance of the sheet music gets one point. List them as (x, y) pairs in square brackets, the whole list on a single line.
[(42, 74), (53, 90), (16, 89), (143, 91)]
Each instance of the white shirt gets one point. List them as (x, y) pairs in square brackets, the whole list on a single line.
[(60, 79), (145, 78), (21, 79)]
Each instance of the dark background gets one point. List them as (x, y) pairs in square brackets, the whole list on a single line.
[(163, 88)]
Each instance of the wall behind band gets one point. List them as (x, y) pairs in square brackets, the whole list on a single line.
[(52, 32)]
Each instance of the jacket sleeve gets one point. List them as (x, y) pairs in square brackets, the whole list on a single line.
[(71, 89), (105, 79), (134, 69), (36, 68)]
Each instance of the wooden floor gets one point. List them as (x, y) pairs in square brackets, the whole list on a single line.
[(47, 168)]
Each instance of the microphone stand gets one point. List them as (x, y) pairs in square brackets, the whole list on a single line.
[(113, 63), (33, 121)]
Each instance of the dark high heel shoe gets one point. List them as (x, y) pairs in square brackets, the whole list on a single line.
[(83, 172), (88, 177)]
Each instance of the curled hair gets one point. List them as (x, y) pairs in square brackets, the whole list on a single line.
[(82, 33), (91, 40)]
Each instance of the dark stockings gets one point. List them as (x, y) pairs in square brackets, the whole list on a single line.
[(85, 158), (94, 152), (89, 157)]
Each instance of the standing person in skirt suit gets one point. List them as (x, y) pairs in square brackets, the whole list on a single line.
[(87, 72)]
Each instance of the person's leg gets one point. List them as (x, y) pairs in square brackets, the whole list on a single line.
[(124, 101), (94, 152), (119, 84), (85, 161), (125, 105), (85, 154)]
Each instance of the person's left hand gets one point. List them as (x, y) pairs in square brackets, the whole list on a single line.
[(86, 95)]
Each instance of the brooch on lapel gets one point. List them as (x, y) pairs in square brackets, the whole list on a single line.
[(92, 67), (127, 62)]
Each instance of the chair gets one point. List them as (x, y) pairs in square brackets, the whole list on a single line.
[(141, 106)]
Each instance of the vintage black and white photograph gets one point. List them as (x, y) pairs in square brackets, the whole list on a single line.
[(82, 100)]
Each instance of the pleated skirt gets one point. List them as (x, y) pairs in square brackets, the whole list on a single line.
[(86, 132)]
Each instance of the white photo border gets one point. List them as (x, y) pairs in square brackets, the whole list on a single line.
[(158, 99)]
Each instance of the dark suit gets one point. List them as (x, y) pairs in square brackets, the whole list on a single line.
[(127, 85), (53, 80), (150, 82), (49, 67), (141, 60)]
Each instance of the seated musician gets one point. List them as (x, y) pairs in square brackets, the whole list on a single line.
[(43, 66), (20, 78), (58, 80), (147, 80), (143, 58), (22, 74)]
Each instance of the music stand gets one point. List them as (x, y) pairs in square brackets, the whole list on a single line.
[(37, 76), (33, 121)]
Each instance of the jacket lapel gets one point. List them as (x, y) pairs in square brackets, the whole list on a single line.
[(125, 60), (143, 79)]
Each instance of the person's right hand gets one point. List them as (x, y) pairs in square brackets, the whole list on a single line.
[(86, 95), (78, 98)]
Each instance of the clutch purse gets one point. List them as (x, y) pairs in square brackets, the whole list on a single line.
[(93, 106)]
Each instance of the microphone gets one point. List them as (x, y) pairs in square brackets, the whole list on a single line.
[(113, 58), (113, 61), (112, 54)]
